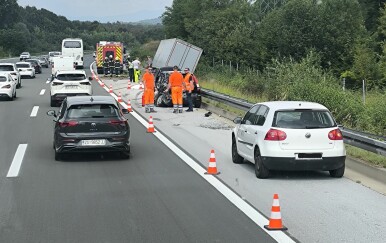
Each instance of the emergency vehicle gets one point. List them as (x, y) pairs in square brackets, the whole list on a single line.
[(107, 48)]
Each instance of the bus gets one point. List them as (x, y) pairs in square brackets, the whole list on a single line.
[(73, 47)]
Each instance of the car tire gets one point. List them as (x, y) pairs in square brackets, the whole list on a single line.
[(159, 100), (52, 102), (260, 170), (197, 104), (14, 95), (338, 173), (18, 86), (236, 158), (58, 156), (11, 98), (125, 155)]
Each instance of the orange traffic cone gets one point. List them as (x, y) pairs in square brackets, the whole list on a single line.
[(111, 88), (102, 84), (129, 86), (129, 109), (150, 127), (275, 222), (119, 97), (212, 168)]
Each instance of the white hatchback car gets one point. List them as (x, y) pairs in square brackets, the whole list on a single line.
[(69, 83), (12, 69), (26, 69), (7, 86), (25, 55), (289, 135)]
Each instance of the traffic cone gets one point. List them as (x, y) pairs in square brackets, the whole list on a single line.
[(129, 86), (111, 88), (275, 222), (141, 86), (212, 168), (150, 127), (102, 84), (129, 109), (119, 97)]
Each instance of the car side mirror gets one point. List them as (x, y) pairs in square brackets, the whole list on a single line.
[(340, 126), (125, 111), (237, 120), (19, 69), (90, 78), (51, 113)]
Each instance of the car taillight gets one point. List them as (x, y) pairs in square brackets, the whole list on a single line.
[(335, 134), (275, 135), (68, 123), (56, 83), (118, 122), (13, 73), (8, 86), (85, 83)]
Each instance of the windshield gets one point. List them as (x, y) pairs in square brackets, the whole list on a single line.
[(70, 77), (92, 111), (72, 44), (23, 65), (303, 119), (6, 68)]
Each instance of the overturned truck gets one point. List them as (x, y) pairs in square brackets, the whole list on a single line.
[(170, 53)]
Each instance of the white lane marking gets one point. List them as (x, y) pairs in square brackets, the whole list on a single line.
[(17, 160), (247, 209), (42, 92), (34, 111), (47, 82)]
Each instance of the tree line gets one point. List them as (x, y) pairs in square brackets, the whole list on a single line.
[(348, 35), (39, 30)]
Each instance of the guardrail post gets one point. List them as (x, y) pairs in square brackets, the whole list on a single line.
[(364, 91)]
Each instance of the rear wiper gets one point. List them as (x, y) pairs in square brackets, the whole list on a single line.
[(311, 127), (97, 116)]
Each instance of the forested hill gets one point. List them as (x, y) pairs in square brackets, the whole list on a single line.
[(39, 30)]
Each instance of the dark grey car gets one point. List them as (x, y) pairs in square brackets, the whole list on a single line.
[(90, 124)]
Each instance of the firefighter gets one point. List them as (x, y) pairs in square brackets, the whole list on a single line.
[(176, 84), (111, 65), (189, 88), (106, 66), (117, 66), (137, 73), (148, 79)]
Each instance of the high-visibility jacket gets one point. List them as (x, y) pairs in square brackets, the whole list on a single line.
[(149, 80), (176, 79), (188, 80)]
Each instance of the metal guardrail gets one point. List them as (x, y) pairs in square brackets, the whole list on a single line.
[(358, 139)]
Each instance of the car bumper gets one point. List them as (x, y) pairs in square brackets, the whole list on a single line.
[(5, 93), (26, 73), (61, 96), (110, 146), (284, 163)]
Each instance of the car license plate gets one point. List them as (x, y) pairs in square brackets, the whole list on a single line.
[(71, 87), (95, 142)]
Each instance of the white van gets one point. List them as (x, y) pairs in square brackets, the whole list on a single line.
[(73, 47), (62, 63)]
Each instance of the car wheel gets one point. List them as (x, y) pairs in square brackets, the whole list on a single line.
[(338, 173), (197, 104), (125, 155), (14, 95), (159, 100), (18, 86), (11, 98), (52, 102), (260, 170), (58, 156), (236, 158)]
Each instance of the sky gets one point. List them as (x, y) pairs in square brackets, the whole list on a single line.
[(102, 10)]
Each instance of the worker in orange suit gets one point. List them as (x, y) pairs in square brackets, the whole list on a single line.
[(189, 88), (176, 84), (148, 80)]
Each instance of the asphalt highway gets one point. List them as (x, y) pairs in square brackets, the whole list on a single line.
[(152, 197)]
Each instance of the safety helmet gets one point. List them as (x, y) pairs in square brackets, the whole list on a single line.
[(111, 56), (106, 58)]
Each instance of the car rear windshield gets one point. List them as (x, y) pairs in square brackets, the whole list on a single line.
[(52, 54), (24, 65), (72, 44), (6, 68), (3, 79), (92, 111), (303, 119), (70, 77)]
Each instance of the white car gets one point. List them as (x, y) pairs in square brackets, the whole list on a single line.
[(12, 69), (289, 135), (26, 69), (69, 83), (7, 86), (25, 55)]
